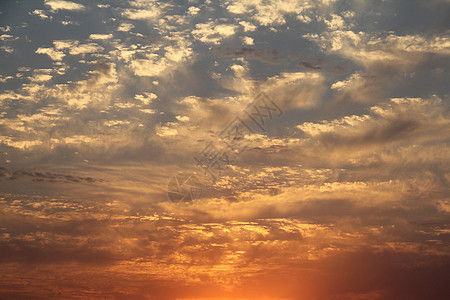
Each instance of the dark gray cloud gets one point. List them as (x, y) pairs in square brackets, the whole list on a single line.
[(269, 56), (6, 174), (309, 66)]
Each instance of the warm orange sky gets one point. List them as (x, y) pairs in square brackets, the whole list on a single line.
[(308, 141)]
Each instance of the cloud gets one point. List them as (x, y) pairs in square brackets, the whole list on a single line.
[(176, 55), (53, 54), (135, 14), (6, 174), (44, 126), (247, 26), (7, 49), (41, 14), (403, 51), (357, 88), (193, 10), (98, 36), (56, 5), (7, 37), (212, 33), (41, 77), (336, 23), (152, 66), (5, 29), (298, 89), (73, 47), (146, 98), (125, 27), (248, 40), (385, 138), (268, 13), (64, 44), (384, 59), (308, 65), (85, 48), (143, 10), (249, 53)]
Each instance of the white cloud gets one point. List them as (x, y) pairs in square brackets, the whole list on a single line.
[(97, 36), (182, 118), (247, 26), (355, 80), (41, 77), (169, 130), (193, 10), (268, 12), (248, 40), (65, 23), (7, 37), (368, 49), (347, 122), (298, 89), (56, 5), (140, 14), (148, 111), (6, 78), (125, 27), (149, 67), (73, 46), (175, 54), (142, 10), (5, 29), (52, 53), (64, 44), (336, 22), (7, 49), (213, 34), (85, 48), (111, 123), (40, 13), (178, 53), (146, 98), (304, 19), (143, 3), (22, 145), (415, 119), (154, 65)]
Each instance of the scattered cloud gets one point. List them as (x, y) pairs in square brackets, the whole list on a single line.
[(212, 33), (52, 53), (270, 56), (56, 5), (98, 36), (41, 14)]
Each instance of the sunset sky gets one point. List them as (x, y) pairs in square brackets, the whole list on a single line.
[(337, 187)]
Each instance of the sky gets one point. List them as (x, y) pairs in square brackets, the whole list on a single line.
[(225, 149)]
